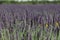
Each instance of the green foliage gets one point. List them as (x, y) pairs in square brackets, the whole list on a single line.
[(30, 2)]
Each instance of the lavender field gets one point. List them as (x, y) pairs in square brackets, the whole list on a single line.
[(30, 22)]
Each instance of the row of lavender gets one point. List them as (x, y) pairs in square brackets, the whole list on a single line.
[(9, 13), (33, 15)]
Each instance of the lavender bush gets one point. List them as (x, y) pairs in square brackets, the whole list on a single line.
[(29, 22)]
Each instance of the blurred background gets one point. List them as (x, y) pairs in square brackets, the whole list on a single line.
[(29, 1)]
